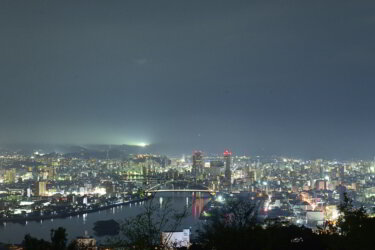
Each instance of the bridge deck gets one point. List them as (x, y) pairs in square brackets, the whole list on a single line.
[(179, 190)]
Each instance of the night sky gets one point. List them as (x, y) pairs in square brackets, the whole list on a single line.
[(259, 77)]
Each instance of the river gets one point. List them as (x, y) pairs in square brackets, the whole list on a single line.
[(78, 225)]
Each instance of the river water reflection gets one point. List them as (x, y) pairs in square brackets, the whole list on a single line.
[(77, 225)]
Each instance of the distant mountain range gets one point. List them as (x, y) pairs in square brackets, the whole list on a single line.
[(99, 151)]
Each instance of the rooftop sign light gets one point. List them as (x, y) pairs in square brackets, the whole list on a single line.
[(227, 153)]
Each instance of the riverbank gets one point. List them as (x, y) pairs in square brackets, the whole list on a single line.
[(65, 215), (76, 226)]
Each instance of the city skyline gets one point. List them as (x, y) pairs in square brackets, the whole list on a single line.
[(195, 124)]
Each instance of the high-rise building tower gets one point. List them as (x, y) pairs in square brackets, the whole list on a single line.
[(197, 167), (28, 192), (10, 176), (228, 174), (41, 188), (321, 171), (341, 173), (252, 176), (110, 188), (51, 173)]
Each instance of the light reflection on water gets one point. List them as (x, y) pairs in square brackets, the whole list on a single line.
[(77, 225), (161, 202)]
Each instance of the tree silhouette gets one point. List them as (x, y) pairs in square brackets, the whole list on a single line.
[(59, 238), (31, 243), (144, 230)]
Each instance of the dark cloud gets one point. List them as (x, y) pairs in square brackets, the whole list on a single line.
[(261, 77)]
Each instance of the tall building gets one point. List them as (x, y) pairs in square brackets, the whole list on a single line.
[(252, 176), (10, 175), (150, 166), (110, 188), (41, 188), (144, 173), (197, 167), (321, 171), (51, 173), (321, 185), (228, 174), (341, 173), (215, 169)]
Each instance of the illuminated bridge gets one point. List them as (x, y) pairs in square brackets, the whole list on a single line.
[(155, 189), (180, 190)]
